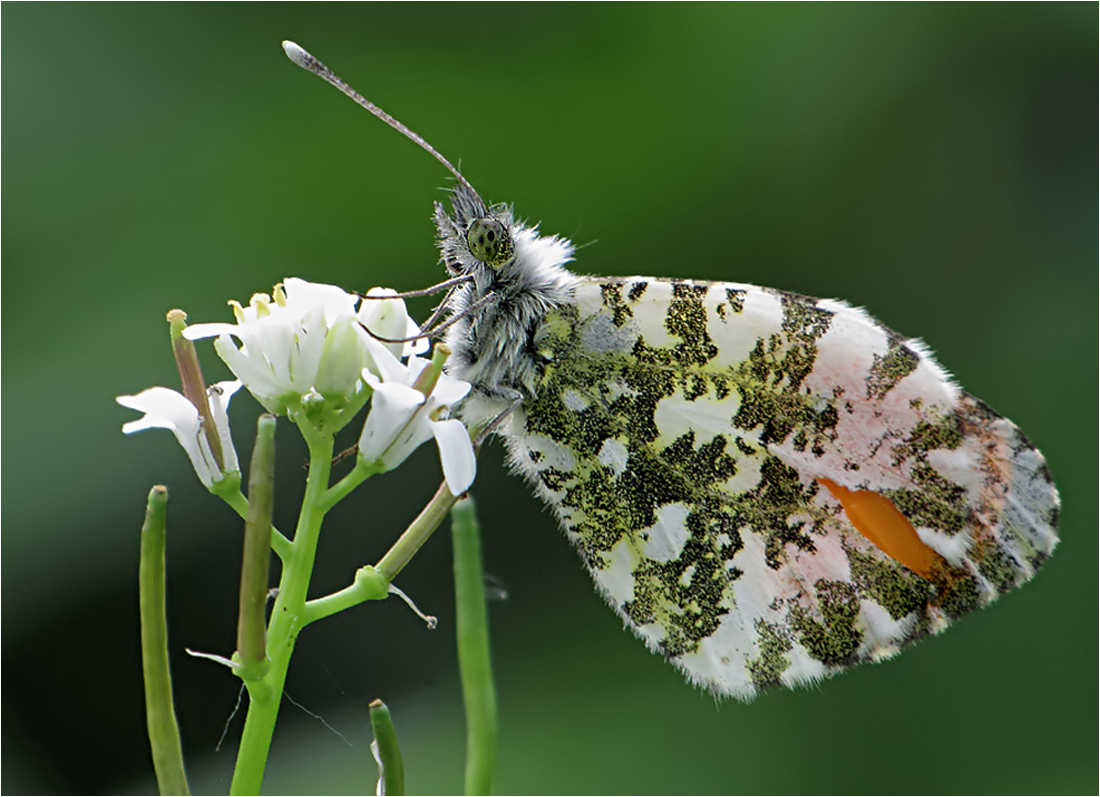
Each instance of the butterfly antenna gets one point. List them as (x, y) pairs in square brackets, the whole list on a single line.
[(429, 291), (303, 59)]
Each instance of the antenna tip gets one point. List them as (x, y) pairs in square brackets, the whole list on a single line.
[(297, 54)]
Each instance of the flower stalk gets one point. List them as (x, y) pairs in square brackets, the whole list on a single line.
[(417, 533)]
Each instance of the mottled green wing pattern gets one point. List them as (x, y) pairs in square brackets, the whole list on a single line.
[(706, 447)]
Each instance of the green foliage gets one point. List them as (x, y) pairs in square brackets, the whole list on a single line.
[(934, 163)]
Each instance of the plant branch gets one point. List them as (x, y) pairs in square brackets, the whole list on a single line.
[(417, 533), (369, 585)]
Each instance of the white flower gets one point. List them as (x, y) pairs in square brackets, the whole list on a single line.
[(169, 409), (401, 418), (388, 319), (306, 343)]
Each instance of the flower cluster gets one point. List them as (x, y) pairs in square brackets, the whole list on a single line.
[(317, 354)]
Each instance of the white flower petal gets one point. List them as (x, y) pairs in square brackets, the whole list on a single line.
[(272, 342), (304, 355), (334, 300), (456, 454), (219, 396), (393, 406), (415, 433), (449, 390), (387, 319), (169, 409), (198, 331), (388, 367), (372, 381), (255, 372), (416, 366), (342, 359), (418, 346), (164, 408)]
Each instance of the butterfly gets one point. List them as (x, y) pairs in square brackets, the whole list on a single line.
[(766, 487)]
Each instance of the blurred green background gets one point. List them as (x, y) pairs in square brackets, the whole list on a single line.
[(934, 163)]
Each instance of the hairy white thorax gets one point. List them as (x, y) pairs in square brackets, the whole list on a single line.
[(493, 344)]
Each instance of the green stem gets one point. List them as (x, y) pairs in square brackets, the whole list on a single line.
[(239, 504), (348, 413), (369, 585), (372, 583), (391, 769), (417, 533), (287, 618), (353, 479), (474, 659), (160, 715)]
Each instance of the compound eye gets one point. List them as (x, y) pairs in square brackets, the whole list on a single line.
[(490, 242)]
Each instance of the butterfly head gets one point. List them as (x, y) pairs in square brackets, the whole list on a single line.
[(475, 238), (490, 241)]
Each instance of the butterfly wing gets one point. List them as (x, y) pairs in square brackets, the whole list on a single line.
[(769, 488)]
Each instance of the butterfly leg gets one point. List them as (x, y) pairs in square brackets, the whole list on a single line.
[(515, 398)]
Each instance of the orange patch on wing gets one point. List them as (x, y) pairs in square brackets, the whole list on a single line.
[(877, 519)]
